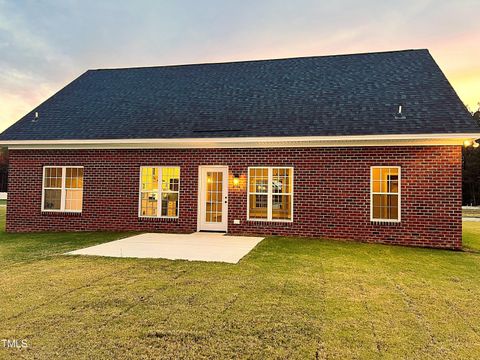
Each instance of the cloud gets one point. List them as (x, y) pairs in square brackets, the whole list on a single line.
[(30, 69)]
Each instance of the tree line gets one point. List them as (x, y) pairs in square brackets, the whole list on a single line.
[(471, 172), (3, 170)]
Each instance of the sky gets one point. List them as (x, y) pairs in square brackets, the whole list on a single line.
[(46, 44)]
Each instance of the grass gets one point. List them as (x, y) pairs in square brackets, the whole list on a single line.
[(471, 212), (289, 298), (3, 202), (471, 235)]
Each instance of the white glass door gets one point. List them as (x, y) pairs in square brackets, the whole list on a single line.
[(213, 198)]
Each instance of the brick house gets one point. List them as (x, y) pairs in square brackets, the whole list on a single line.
[(364, 147)]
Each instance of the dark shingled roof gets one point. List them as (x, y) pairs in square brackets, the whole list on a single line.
[(310, 96)]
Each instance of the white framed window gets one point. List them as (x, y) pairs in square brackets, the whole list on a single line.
[(62, 188), (385, 193), (270, 194), (159, 191)]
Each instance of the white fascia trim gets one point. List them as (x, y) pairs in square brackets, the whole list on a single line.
[(248, 142)]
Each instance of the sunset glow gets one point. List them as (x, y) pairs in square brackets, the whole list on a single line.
[(42, 55)]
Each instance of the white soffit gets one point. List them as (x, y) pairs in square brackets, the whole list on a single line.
[(248, 142)]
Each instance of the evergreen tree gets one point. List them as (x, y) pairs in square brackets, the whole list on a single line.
[(471, 172)]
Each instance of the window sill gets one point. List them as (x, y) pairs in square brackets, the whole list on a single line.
[(385, 222), (271, 221), (61, 213), (158, 218)]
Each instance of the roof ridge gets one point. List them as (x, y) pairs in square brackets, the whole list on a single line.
[(259, 60)]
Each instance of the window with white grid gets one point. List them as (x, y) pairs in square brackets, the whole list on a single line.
[(159, 191), (270, 193), (62, 188), (385, 193)]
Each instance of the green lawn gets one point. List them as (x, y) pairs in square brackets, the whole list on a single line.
[(289, 298)]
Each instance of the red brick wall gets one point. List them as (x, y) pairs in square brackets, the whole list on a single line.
[(331, 188)]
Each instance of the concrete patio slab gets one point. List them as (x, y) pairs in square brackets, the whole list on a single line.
[(194, 247)]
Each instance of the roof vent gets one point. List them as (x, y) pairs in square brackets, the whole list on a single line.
[(35, 119), (399, 115)]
